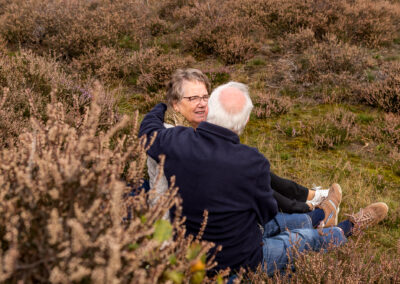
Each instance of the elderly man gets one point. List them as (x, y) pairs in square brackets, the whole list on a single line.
[(215, 172)]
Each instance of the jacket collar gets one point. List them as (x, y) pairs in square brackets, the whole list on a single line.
[(219, 131)]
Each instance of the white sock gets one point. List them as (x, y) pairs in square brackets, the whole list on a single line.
[(320, 195)]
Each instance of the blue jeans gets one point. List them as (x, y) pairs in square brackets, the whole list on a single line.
[(286, 231)]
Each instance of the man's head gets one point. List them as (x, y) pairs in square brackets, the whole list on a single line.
[(187, 93), (230, 106)]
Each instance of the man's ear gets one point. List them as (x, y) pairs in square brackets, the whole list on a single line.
[(247, 120)]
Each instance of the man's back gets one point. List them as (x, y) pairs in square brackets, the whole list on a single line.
[(216, 173)]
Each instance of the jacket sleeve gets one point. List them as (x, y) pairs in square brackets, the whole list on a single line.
[(264, 197), (154, 122)]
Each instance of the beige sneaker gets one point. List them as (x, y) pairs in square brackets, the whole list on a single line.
[(331, 206), (368, 216)]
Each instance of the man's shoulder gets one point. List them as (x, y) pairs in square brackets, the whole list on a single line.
[(251, 150), (255, 153), (179, 134)]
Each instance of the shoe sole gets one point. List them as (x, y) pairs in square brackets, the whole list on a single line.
[(384, 206), (339, 188), (340, 201)]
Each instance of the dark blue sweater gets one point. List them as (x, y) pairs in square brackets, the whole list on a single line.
[(215, 172)]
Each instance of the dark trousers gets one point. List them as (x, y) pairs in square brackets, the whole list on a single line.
[(291, 197)]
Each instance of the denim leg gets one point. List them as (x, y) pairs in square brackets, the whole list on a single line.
[(284, 221), (277, 249)]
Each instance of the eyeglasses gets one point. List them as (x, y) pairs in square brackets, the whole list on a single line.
[(197, 99)]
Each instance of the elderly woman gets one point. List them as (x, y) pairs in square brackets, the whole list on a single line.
[(187, 99)]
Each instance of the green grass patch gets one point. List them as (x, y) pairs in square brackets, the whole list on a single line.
[(365, 118), (256, 62), (128, 43), (365, 175), (392, 58)]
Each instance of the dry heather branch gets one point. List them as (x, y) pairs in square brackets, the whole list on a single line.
[(66, 214), (270, 104), (334, 128), (386, 130), (32, 82), (384, 93), (4, 98)]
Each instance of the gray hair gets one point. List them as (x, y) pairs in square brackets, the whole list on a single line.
[(175, 85), (218, 115)]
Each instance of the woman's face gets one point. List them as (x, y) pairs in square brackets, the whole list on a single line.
[(195, 111)]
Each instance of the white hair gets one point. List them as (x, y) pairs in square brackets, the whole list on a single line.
[(218, 115)]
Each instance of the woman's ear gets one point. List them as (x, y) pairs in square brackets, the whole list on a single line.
[(175, 106)]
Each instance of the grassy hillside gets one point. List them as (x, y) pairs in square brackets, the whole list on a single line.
[(325, 80)]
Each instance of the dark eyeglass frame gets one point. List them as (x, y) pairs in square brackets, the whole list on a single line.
[(197, 99)]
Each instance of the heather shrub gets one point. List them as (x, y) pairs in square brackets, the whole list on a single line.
[(71, 28), (367, 22), (234, 31), (386, 129), (106, 63), (334, 128), (326, 61), (30, 79), (298, 41), (24, 70), (324, 70), (147, 69), (3, 45), (9, 126), (354, 262), (281, 17), (270, 104), (372, 23), (330, 93), (280, 75), (155, 68), (218, 28), (384, 91), (66, 216)]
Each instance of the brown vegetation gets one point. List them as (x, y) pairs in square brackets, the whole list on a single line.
[(64, 197), (67, 154), (270, 104), (139, 43), (384, 92), (28, 79), (70, 28), (351, 263)]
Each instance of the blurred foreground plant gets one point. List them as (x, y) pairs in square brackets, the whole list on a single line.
[(64, 203)]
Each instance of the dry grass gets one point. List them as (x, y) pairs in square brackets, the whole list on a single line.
[(348, 264)]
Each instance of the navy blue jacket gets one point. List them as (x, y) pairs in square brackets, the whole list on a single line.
[(215, 172)]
